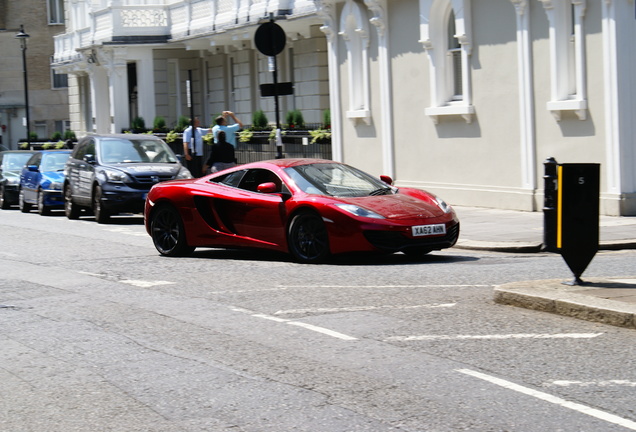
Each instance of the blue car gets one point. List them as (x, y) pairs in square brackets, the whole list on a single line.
[(41, 181), (11, 163)]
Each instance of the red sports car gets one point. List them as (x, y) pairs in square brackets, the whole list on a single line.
[(309, 208)]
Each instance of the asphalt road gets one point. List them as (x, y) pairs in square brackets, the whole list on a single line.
[(100, 333)]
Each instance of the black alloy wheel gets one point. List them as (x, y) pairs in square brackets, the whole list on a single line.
[(168, 232), (101, 214), (308, 239), (71, 209)]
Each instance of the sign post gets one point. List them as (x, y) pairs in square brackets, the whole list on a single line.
[(578, 216), (270, 40)]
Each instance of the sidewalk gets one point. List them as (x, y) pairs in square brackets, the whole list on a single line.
[(608, 300)]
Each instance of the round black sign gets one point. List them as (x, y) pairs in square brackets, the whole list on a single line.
[(270, 38)]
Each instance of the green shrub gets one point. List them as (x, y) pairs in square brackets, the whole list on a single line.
[(259, 120), (69, 134), (159, 124), (295, 120), (182, 124), (138, 124), (326, 119), (57, 135)]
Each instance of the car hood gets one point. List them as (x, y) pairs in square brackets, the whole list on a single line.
[(397, 206), (148, 168), (54, 176)]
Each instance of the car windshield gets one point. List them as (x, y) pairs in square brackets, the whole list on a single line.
[(15, 161), (54, 161), (117, 150), (336, 180)]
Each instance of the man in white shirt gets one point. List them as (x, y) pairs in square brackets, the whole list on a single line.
[(193, 146)]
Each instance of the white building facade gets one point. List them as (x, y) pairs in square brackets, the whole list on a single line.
[(464, 98)]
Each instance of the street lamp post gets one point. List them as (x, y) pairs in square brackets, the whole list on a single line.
[(23, 43)]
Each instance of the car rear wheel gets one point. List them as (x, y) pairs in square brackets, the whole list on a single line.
[(308, 238), (42, 208), (25, 207), (101, 214), (71, 209), (168, 232)]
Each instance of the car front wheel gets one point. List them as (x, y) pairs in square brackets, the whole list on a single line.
[(71, 209), (308, 238), (4, 204), (101, 214), (25, 207), (42, 208), (168, 232)]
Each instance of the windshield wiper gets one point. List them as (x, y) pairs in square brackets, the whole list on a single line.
[(380, 191)]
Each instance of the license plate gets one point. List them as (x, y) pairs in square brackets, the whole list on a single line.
[(428, 230)]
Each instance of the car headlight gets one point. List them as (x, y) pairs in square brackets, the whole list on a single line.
[(183, 173), (115, 176), (55, 186), (12, 180), (442, 204), (359, 211)]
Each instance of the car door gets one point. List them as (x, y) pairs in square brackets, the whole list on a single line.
[(252, 214), (30, 179)]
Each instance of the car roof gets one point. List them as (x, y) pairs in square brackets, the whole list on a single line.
[(124, 136), (291, 162)]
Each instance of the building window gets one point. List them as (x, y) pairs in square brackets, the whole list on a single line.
[(455, 60), (58, 80), (446, 35), (354, 23), (56, 11), (567, 48)]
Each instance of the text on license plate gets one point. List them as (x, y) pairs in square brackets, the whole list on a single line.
[(427, 230)]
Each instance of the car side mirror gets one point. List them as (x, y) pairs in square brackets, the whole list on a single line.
[(33, 168), (386, 179), (89, 158), (268, 187)]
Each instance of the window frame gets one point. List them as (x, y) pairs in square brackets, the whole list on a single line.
[(568, 89), (434, 36)]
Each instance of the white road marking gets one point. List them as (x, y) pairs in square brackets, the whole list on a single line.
[(593, 412), (360, 308), (296, 323), (496, 337), (384, 286), (322, 330), (127, 231), (605, 383), (146, 284)]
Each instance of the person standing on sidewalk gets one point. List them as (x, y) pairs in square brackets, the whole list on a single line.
[(193, 146), (230, 130), (221, 156)]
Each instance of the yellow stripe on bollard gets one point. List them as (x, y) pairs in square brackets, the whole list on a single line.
[(559, 206)]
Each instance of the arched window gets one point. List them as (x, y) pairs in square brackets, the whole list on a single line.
[(445, 28), (355, 32), (567, 47), (454, 60)]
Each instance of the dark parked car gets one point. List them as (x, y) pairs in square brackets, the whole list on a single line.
[(41, 181), (11, 163), (112, 174)]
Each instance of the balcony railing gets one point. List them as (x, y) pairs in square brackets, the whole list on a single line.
[(134, 21)]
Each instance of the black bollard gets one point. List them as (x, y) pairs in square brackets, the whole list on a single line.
[(550, 205)]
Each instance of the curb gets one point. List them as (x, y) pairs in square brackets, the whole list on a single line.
[(573, 301), (530, 247)]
